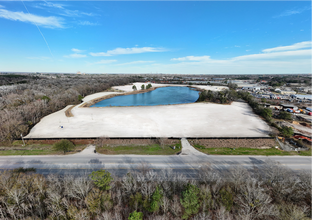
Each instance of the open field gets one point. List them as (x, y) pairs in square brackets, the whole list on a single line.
[(185, 120)]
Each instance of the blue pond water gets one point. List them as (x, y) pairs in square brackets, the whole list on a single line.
[(159, 96)]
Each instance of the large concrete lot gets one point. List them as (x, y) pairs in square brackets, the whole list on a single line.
[(185, 120)]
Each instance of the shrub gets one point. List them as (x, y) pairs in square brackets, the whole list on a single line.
[(63, 145), (190, 201), (287, 131), (135, 216), (285, 115), (102, 179)]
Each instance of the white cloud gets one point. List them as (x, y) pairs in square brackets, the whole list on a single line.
[(192, 58), (48, 22), (75, 55), (52, 5), (87, 23), (133, 50), (1, 6), (136, 62), (301, 45), (77, 50), (64, 11), (295, 51), (292, 12)]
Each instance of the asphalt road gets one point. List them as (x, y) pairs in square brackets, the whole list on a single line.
[(121, 164)]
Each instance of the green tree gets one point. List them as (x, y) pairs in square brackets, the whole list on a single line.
[(190, 201), (266, 113), (287, 131), (135, 216), (102, 179), (45, 98), (80, 97), (284, 115), (263, 100), (134, 88), (142, 87), (155, 201), (149, 86), (226, 198), (63, 145)]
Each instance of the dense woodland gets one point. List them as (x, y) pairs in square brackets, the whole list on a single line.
[(272, 192), (22, 105)]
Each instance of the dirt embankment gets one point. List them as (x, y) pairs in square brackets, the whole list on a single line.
[(75, 141), (134, 142), (247, 143), (111, 142)]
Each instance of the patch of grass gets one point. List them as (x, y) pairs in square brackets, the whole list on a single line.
[(249, 151), (154, 149), (34, 149)]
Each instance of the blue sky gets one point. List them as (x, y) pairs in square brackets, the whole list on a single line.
[(206, 37)]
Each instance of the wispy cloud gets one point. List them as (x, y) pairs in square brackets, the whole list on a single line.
[(87, 23), (133, 50), (192, 58), (75, 55), (62, 10), (1, 6), (47, 22), (52, 5), (297, 46), (136, 62), (301, 50), (292, 12), (77, 50)]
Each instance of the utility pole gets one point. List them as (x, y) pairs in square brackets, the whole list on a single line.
[(23, 140)]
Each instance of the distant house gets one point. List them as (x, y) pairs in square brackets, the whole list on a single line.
[(288, 92), (251, 88), (285, 106)]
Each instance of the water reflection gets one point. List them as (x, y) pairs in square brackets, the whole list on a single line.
[(159, 96)]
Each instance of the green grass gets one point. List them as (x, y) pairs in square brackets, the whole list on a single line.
[(154, 149), (249, 151), (17, 148)]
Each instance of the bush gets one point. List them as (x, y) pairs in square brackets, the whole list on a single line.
[(102, 179), (266, 113), (63, 145), (190, 201), (142, 87), (287, 131), (135, 216), (285, 115)]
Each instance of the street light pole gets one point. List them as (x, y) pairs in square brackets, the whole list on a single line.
[(23, 139)]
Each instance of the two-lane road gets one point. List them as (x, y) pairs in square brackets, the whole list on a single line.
[(121, 164)]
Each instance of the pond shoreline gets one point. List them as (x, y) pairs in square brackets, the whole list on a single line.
[(99, 99)]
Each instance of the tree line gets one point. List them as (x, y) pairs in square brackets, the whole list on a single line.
[(272, 192), (23, 105)]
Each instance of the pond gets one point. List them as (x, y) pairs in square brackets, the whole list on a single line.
[(160, 96)]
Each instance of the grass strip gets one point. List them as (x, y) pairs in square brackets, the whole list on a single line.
[(154, 149), (249, 151)]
